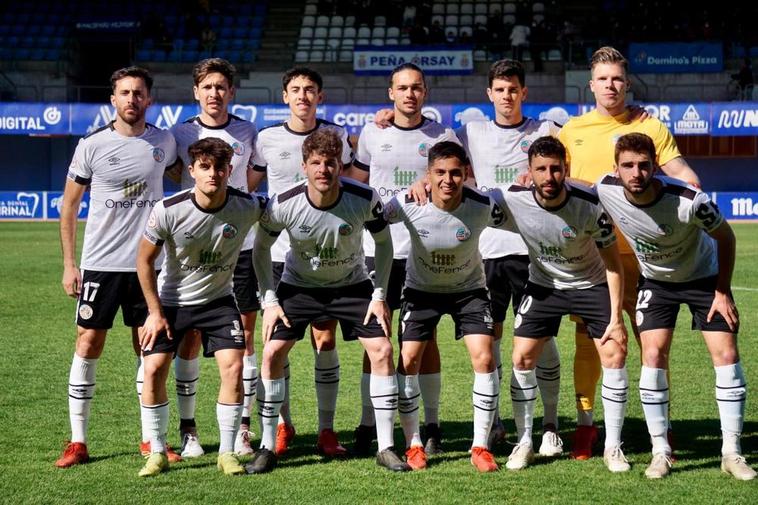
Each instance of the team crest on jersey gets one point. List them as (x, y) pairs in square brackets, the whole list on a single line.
[(345, 229), (525, 146), (238, 148), (665, 229), (85, 311), (569, 233), (463, 234), (159, 154), (230, 231), (423, 149)]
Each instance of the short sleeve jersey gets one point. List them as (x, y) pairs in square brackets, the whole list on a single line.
[(498, 155), (236, 132), (669, 235), (563, 241), (325, 243), (444, 252), (125, 176), (201, 246), (395, 158), (590, 140), (279, 153)]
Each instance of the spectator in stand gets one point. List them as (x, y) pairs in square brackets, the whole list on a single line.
[(436, 33), (208, 39), (519, 39), (480, 36), (451, 38), (539, 43), (498, 34), (418, 34), (409, 15), (745, 82)]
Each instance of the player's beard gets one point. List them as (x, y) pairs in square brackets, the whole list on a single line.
[(132, 119)]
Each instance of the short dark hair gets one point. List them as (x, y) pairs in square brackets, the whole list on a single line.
[(507, 68), (547, 146), (636, 143), (306, 72), (324, 141), (447, 149), (211, 66), (216, 150), (140, 72), (407, 66)]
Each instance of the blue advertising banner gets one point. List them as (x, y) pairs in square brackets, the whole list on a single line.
[(465, 113), (35, 118), (53, 202), (734, 118), (22, 204), (737, 206), (676, 57), (433, 60)]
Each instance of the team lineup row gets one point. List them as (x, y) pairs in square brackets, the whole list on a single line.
[(319, 276)]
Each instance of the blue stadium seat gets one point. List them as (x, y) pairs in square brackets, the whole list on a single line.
[(178, 44), (37, 54), (226, 32), (189, 56), (254, 43), (224, 44), (22, 53), (52, 54), (228, 20), (256, 33), (238, 44), (148, 43), (258, 21), (158, 55), (5, 30), (143, 55), (43, 42), (48, 30), (240, 32), (18, 30), (192, 44), (260, 10)]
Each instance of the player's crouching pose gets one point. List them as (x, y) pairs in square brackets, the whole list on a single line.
[(574, 269), (445, 276), (324, 279), (686, 252), (202, 229)]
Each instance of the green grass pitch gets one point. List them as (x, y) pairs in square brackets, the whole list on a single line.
[(37, 336)]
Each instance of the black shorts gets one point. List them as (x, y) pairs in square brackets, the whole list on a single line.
[(421, 312), (541, 310), (102, 293), (347, 304), (658, 304), (277, 268), (506, 280), (218, 321), (246, 283), (395, 284)]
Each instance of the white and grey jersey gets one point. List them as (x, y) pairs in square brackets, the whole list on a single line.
[(444, 253), (668, 236), (395, 158), (325, 243), (563, 242), (498, 155), (279, 153), (201, 246), (236, 132), (125, 176)]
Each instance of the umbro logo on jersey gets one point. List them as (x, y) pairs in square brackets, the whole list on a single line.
[(386, 148), (304, 228), (114, 160), (578, 142), (422, 233), (285, 155), (188, 235)]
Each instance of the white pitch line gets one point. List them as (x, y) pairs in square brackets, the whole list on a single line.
[(740, 288)]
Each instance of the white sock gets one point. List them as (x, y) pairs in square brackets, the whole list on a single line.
[(269, 404), (155, 425), (81, 389), (367, 407), (499, 370), (654, 394), (549, 381), (430, 385), (384, 398), (187, 372), (485, 397), (614, 394), (407, 407), (249, 382), (327, 377), (138, 381), (731, 393), (523, 395), (228, 418), (284, 413)]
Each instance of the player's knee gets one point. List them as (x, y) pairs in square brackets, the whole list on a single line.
[(89, 343), (523, 362), (231, 372), (614, 358), (483, 361), (274, 355), (381, 352), (725, 356), (655, 357)]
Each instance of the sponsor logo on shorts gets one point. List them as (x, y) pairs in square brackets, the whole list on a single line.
[(463, 234), (159, 154), (345, 229), (229, 231), (639, 318), (237, 333), (85, 311), (238, 148), (569, 233)]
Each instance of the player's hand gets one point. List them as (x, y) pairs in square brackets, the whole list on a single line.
[(383, 315), (637, 112), (418, 191), (616, 331), (72, 281), (524, 179), (724, 305), (155, 324), (271, 315), (383, 118)]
